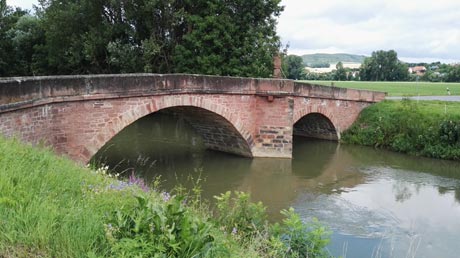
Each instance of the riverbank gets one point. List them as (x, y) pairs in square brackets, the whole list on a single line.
[(50, 207), (425, 128)]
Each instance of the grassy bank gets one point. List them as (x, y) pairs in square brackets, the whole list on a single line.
[(425, 128), (51, 208), (399, 88)]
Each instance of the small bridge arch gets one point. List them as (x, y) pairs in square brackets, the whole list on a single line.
[(316, 121), (316, 125)]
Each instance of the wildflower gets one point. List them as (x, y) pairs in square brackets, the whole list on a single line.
[(133, 180), (166, 196), (234, 231)]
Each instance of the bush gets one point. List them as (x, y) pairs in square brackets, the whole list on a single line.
[(246, 221), (237, 215), (159, 229), (300, 239), (407, 127)]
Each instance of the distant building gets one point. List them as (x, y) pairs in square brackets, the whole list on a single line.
[(418, 70)]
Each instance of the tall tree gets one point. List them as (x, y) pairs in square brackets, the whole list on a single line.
[(8, 19), (235, 37), (384, 66), (293, 67), (340, 73), (454, 74), (231, 37)]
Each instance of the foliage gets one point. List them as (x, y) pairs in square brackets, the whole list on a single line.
[(156, 229), (51, 208), (229, 38), (449, 132), (383, 66), (453, 74), (238, 215), (293, 67), (300, 239), (340, 73), (163, 36), (408, 127)]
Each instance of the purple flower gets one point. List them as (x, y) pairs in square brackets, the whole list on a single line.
[(166, 196), (133, 180), (234, 231)]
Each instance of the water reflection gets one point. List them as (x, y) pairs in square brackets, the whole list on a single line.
[(378, 203)]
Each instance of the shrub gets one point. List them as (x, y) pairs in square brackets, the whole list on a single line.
[(158, 229), (407, 127), (300, 239), (237, 215)]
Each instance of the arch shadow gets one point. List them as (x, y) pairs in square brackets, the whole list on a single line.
[(316, 125)]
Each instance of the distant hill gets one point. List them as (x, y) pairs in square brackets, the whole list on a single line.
[(321, 59)]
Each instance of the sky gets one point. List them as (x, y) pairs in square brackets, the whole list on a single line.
[(422, 30)]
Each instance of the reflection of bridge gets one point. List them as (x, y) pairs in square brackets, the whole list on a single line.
[(77, 115)]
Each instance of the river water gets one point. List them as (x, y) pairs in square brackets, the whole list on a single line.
[(377, 203)]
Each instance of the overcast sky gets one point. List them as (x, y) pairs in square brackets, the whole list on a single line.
[(422, 30)]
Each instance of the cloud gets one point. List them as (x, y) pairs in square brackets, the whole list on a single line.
[(415, 29)]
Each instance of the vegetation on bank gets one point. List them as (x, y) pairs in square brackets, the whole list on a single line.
[(399, 88), (425, 128), (50, 207)]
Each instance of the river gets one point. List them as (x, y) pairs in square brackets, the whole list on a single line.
[(377, 203)]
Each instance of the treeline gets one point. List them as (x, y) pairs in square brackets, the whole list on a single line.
[(232, 37), (380, 66)]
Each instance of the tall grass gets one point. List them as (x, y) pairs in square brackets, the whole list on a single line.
[(428, 128), (44, 210), (49, 207)]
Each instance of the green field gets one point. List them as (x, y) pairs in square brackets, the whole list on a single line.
[(399, 88)]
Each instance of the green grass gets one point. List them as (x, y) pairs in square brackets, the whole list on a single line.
[(46, 206), (436, 108), (425, 128), (399, 88), (49, 207)]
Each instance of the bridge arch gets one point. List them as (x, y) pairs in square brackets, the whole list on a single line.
[(316, 122), (221, 129)]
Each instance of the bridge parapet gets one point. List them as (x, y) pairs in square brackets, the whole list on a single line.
[(23, 92)]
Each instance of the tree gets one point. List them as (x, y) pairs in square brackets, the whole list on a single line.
[(383, 66), (340, 73), (8, 19), (293, 67), (26, 38), (454, 74), (235, 37)]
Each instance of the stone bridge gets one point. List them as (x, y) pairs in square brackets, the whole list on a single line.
[(77, 115)]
